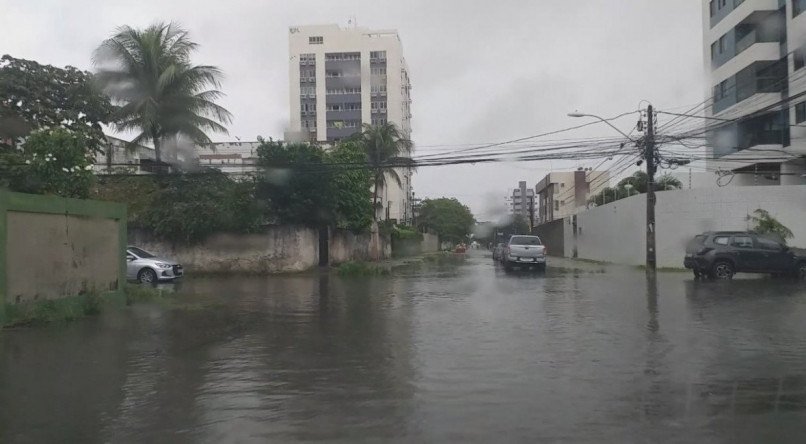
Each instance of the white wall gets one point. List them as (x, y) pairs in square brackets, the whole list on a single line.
[(616, 232)]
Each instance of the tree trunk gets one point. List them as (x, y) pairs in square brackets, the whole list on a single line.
[(157, 153), (375, 198)]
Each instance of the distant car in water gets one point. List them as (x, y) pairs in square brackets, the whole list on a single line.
[(498, 252), (524, 251), (722, 254), (147, 268)]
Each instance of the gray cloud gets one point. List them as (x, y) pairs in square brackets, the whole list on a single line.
[(482, 70)]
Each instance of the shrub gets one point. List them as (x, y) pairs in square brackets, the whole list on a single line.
[(56, 161)]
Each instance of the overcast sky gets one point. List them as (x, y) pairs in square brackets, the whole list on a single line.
[(482, 71)]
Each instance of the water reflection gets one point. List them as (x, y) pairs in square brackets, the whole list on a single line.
[(437, 353)]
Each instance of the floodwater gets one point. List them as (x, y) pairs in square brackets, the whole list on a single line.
[(584, 353)]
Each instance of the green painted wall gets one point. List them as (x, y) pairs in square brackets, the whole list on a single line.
[(31, 203)]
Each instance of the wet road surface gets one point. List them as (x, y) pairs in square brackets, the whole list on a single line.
[(584, 353)]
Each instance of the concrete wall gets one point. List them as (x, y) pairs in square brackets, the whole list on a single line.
[(553, 236), (52, 256), (430, 243), (279, 249), (616, 232), (346, 246), (52, 248)]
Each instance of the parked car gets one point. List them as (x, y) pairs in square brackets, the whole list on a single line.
[(722, 254), (498, 252), (144, 267), (524, 251)]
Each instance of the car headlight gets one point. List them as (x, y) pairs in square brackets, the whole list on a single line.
[(162, 265)]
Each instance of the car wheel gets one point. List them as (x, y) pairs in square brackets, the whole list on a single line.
[(697, 274), (147, 276), (722, 270)]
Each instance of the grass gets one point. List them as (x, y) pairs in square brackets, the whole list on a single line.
[(443, 257), (54, 311), (70, 309), (143, 293), (356, 269)]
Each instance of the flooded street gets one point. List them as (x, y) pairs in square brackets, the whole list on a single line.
[(584, 353)]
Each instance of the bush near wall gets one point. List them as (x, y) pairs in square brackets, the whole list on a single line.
[(185, 208), (406, 241)]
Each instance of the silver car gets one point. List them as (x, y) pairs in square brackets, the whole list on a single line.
[(524, 251), (145, 267)]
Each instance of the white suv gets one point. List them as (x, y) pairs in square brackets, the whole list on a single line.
[(524, 251)]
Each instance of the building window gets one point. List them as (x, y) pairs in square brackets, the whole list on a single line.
[(307, 59), (723, 3), (800, 112), (722, 44), (713, 51), (556, 205), (712, 8), (799, 56), (797, 7), (316, 40), (721, 91)]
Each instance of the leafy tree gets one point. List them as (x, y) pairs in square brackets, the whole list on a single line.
[(518, 225), (185, 208), (352, 207), (667, 182), (766, 224), (295, 183), (43, 96), (386, 149), (162, 95), (449, 218), (56, 161), (635, 184)]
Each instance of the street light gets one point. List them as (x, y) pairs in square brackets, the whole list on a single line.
[(648, 143), (607, 121)]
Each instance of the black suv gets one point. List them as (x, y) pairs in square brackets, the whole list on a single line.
[(721, 254)]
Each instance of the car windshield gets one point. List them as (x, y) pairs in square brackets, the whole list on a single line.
[(141, 253), (525, 240)]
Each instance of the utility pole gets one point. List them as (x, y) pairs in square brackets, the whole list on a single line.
[(531, 214), (649, 155)]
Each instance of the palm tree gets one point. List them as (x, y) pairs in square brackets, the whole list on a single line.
[(161, 94), (668, 182), (386, 149)]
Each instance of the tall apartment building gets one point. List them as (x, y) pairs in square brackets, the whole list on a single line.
[(755, 53), (560, 194), (342, 78), (523, 200)]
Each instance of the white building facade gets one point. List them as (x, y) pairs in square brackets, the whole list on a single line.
[(562, 194), (754, 56), (342, 78), (523, 201)]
